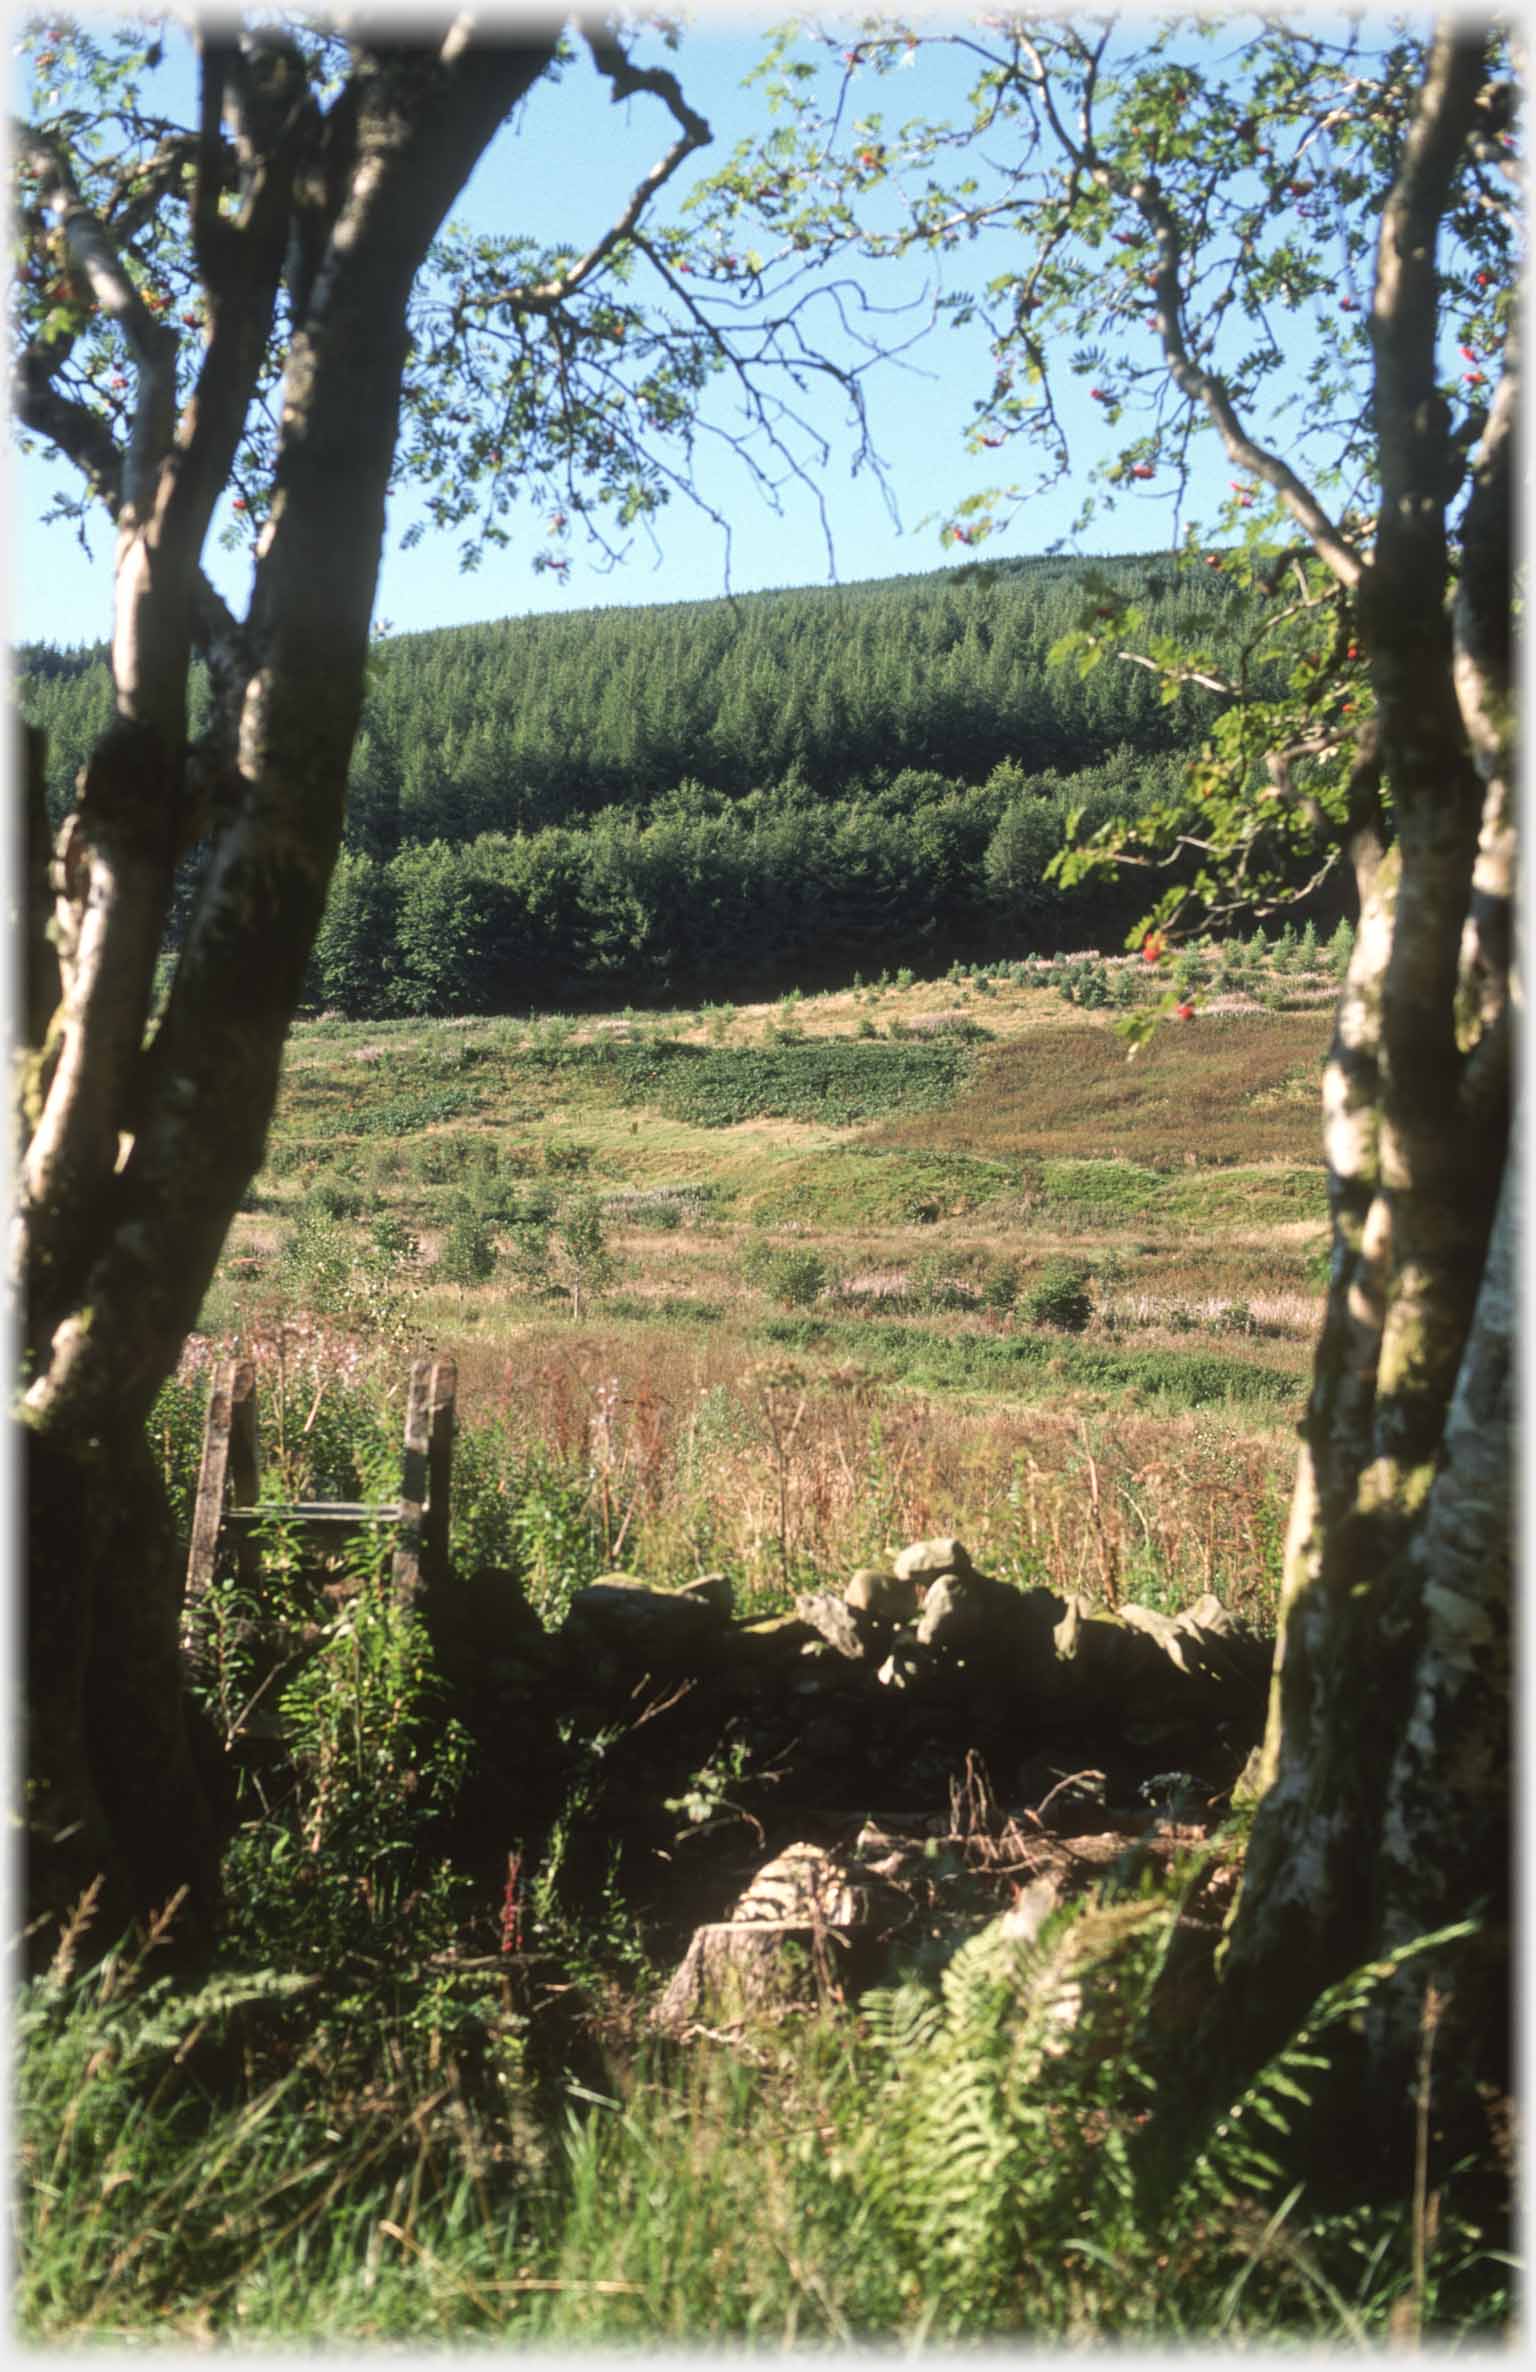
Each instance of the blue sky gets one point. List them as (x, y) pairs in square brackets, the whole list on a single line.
[(563, 172)]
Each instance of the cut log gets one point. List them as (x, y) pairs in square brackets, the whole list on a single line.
[(731, 1972)]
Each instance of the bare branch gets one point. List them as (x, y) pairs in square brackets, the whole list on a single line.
[(1180, 675), (151, 180), (1211, 392), (610, 59), (82, 435)]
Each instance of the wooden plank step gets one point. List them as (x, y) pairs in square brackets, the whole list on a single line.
[(344, 1513)]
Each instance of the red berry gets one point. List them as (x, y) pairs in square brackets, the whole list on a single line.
[(239, 503), (1186, 1012)]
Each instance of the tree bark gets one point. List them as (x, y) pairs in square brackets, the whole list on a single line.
[(1385, 1811)]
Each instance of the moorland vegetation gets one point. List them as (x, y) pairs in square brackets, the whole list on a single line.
[(918, 1255)]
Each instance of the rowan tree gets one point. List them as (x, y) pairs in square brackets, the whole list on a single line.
[(253, 320), (1297, 245)]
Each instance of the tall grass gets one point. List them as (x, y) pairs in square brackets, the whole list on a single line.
[(671, 1453), (973, 2157), (348, 2129)]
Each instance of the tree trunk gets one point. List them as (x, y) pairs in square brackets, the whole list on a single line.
[(1386, 1810), (114, 1788)]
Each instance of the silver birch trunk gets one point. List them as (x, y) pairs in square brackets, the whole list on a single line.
[(1385, 1814)]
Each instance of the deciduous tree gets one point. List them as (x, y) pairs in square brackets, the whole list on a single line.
[(1297, 245), (253, 319)]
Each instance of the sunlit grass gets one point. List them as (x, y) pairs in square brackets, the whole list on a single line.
[(1187, 1183)]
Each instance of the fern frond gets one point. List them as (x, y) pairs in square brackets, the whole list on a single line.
[(1229, 2162)]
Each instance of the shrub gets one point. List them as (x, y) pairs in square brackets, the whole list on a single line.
[(799, 1277), (333, 1200), (391, 1236), (497, 1200), (1060, 1297), (1086, 983), (467, 1255), (528, 1252), (1000, 1284), (318, 1259), (590, 1267), (792, 1277)]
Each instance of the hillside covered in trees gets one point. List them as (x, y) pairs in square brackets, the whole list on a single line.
[(777, 789)]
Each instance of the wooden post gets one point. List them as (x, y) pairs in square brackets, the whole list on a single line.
[(413, 1488), (421, 1553), (229, 1454), (441, 1394), (244, 1464)]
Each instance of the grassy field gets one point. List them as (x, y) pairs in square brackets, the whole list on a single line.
[(782, 1285)]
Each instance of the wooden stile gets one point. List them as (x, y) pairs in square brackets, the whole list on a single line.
[(228, 1479)]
